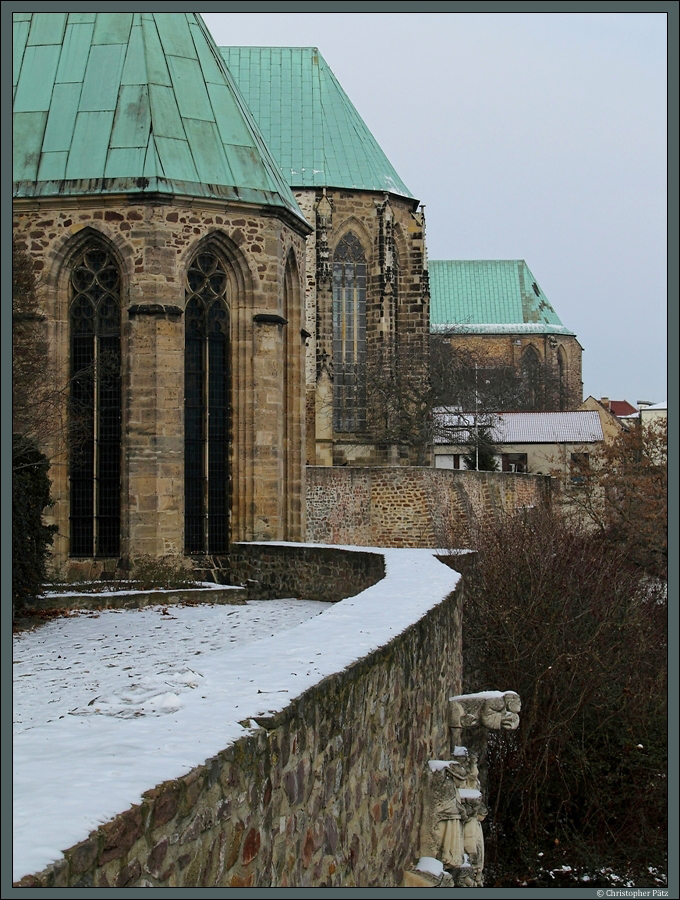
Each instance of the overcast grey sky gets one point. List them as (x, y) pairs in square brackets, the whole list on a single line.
[(535, 136)]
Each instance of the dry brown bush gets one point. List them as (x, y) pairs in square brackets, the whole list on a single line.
[(558, 614)]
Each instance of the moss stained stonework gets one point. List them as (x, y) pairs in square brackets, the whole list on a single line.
[(153, 242), (326, 793)]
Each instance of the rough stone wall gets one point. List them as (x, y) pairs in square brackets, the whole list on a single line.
[(507, 349), (326, 793), (153, 243), (412, 507), (311, 573)]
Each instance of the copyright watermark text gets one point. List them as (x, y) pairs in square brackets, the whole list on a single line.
[(626, 892)]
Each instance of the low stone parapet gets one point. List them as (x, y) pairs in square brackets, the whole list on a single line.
[(268, 570), (131, 599)]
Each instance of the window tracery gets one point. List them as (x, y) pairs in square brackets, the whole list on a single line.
[(95, 404), (206, 407), (349, 335)]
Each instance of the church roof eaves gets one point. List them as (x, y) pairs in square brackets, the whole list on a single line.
[(309, 122), (489, 296), (108, 103)]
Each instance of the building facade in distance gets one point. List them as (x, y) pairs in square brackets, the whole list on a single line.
[(495, 313)]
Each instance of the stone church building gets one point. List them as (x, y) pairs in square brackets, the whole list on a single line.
[(367, 287), (223, 248), (495, 311), (171, 254)]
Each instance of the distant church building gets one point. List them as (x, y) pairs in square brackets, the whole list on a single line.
[(495, 311), (223, 250)]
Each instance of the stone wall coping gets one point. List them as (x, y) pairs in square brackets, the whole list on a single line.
[(265, 679)]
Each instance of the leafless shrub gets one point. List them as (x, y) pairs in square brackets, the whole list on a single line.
[(559, 615)]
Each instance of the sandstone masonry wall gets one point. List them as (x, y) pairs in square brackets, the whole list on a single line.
[(153, 241), (507, 350), (326, 793), (395, 506)]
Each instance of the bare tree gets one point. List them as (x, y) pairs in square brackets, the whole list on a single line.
[(467, 380), (622, 489)]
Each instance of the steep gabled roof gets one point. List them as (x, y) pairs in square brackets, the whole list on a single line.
[(491, 296), (133, 102), (308, 121)]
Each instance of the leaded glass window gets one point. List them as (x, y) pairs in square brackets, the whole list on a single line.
[(206, 407), (95, 420), (349, 335)]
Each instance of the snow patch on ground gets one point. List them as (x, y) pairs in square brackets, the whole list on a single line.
[(108, 704)]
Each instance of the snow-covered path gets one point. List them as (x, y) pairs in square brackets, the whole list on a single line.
[(109, 704)]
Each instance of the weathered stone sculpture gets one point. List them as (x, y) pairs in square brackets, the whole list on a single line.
[(441, 833), (490, 709), (453, 808), (475, 812)]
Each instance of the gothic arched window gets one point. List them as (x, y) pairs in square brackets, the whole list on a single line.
[(95, 420), (531, 374), (349, 335), (562, 374), (206, 407)]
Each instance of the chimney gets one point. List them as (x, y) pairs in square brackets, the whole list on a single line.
[(605, 402)]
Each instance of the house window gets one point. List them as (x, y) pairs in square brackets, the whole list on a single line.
[(579, 467), (514, 462), (95, 404), (349, 335), (206, 407), (448, 461)]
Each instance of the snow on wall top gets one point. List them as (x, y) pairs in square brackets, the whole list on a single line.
[(118, 739)]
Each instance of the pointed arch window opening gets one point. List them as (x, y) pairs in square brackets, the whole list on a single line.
[(349, 336), (531, 372), (95, 405), (562, 375), (207, 408)]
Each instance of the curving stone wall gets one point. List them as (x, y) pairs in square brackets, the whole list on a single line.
[(326, 792), (395, 506), (268, 570)]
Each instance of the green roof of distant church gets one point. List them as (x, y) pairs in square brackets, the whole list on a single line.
[(489, 296), (133, 102), (308, 121)]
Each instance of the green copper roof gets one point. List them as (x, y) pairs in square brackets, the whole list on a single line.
[(489, 296), (308, 121), (132, 102)]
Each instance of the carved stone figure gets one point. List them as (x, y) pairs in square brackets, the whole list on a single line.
[(441, 833), (490, 709), (475, 810)]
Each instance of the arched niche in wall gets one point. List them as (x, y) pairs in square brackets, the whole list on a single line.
[(531, 375)]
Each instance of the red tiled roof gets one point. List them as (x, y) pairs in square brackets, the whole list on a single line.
[(621, 408)]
